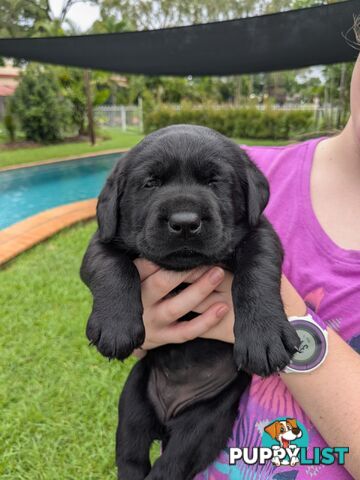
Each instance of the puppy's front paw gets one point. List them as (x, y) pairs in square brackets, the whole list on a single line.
[(114, 335), (263, 348)]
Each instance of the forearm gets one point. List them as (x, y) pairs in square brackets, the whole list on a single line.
[(330, 394), (330, 397)]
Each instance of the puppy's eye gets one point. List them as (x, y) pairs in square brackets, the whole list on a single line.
[(282, 430), (152, 182)]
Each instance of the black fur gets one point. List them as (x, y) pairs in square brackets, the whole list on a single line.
[(174, 170)]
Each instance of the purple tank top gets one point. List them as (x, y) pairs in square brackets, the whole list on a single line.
[(327, 277)]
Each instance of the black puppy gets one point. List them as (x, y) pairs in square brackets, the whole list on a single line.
[(185, 196)]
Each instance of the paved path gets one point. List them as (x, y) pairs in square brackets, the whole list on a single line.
[(24, 235)]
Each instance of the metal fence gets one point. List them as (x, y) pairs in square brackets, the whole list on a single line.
[(324, 116), (127, 117), (130, 117)]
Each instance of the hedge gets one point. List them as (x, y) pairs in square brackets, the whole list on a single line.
[(234, 122)]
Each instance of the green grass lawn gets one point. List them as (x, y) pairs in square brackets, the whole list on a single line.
[(117, 139), (58, 396)]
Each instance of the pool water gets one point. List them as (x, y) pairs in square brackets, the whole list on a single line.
[(27, 191)]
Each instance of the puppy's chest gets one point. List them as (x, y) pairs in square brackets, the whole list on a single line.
[(182, 375)]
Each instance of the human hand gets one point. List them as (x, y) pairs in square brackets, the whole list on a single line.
[(213, 302), (224, 329), (161, 312)]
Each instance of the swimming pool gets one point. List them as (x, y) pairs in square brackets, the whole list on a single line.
[(27, 191)]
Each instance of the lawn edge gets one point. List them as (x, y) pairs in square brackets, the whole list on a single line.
[(64, 159)]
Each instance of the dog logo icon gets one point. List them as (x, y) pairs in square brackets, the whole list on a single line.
[(285, 432)]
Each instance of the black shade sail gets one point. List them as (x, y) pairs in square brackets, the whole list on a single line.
[(299, 38)]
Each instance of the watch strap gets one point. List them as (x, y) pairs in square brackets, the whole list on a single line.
[(316, 318)]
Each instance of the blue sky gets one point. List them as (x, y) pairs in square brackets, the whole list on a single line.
[(82, 13)]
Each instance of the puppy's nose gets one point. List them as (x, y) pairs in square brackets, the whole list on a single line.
[(188, 223)]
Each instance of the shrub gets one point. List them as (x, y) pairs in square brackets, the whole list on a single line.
[(233, 122), (43, 113)]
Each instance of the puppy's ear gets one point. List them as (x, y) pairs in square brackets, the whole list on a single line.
[(292, 422), (107, 209), (271, 429), (257, 193)]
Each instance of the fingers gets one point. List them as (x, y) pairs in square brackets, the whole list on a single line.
[(175, 307), (214, 297), (225, 285), (195, 274), (160, 317), (223, 330), (159, 284), (181, 332), (139, 353), (145, 268)]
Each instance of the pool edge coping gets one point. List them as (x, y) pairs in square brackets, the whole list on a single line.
[(65, 159), (27, 233)]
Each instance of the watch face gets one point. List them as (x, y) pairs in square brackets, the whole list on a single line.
[(312, 347)]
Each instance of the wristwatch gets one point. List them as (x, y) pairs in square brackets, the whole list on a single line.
[(313, 348)]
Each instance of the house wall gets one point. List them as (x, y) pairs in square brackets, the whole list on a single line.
[(2, 108), (8, 80)]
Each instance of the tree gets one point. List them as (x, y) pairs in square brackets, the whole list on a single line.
[(75, 83), (19, 17), (43, 113), (89, 106), (74, 89), (72, 82), (150, 14), (109, 24)]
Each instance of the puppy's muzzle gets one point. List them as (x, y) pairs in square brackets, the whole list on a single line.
[(185, 223)]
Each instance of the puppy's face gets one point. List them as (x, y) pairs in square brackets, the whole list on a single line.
[(182, 197), (284, 431)]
